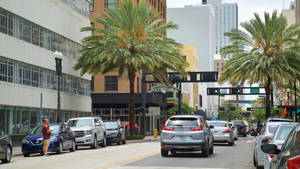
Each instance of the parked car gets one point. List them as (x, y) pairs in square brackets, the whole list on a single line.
[(115, 132), (61, 139), (5, 148), (88, 131), (278, 139), (186, 133), (234, 130), (265, 135), (222, 132), (242, 128), (289, 155)]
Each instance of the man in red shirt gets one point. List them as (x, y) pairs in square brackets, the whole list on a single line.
[(46, 137)]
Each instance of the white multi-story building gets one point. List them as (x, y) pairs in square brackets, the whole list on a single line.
[(30, 33), (226, 19), (197, 27)]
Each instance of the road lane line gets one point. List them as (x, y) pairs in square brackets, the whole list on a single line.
[(129, 160)]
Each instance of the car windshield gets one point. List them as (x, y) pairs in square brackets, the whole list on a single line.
[(238, 123), (217, 124), (55, 128), (283, 132), (37, 130), (273, 128), (111, 125), (177, 121), (80, 123)]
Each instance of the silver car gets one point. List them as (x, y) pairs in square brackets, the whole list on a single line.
[(265, 135), (222, 132), (186, 133), (234, 130), (88, 131), (278, 139)]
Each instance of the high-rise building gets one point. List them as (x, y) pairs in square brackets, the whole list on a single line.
[(30, 33), (197, 27), (226, 19)]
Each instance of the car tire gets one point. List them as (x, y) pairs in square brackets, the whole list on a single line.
[(205, 151), (211, 150), (231, 143), (59, 148), (41, 154), (94, 144), (236, 139), (164, 153), (254, 160), (173, 152), (120, 141), (103, 144), (7, 155), (73, 146), (26, 154)]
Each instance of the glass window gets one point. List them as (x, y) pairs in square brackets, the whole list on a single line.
[(109, 4), (35, 35), (10, 71), (26, 75), (176, 121), (35, 77), (283, 132), (91, 5), (80, 123), (111, 83), (45, 39), (2, 119), (3, 70), (27, 31), (3, 21)]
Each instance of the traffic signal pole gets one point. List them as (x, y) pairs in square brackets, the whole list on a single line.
[(179, 99)]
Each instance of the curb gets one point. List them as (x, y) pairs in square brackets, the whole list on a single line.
[(17, 154)]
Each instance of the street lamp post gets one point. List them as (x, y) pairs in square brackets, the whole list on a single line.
[(144, 103), (58, 61), (288, 97), (295, 95)]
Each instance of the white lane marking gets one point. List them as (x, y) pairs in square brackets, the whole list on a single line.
[(144, 167)]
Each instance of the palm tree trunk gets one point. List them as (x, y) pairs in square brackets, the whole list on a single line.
[(268, 100), (131, 76)]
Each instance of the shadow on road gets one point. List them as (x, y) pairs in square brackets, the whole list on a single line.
[(190, 155)]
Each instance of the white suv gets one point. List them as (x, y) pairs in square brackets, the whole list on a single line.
[(88, 131)]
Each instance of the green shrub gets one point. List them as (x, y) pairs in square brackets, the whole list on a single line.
[(135, 137)]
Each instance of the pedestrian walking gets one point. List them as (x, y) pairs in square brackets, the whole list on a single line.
[(46, 137)]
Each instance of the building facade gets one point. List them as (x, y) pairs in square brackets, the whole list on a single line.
[(226, 19), (29, 36)]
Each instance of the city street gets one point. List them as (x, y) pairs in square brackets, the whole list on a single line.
[(141, 156)]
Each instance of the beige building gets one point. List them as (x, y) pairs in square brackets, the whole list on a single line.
[(219, 63), (289, 14), (190, 90)]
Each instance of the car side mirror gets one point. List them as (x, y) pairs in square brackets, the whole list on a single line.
[(211, 127), (270, 149)]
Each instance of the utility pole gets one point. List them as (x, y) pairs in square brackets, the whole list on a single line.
[(144, 103), (179, 99), (58, 61)]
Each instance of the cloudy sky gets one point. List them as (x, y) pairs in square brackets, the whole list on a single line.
[(246, 7)]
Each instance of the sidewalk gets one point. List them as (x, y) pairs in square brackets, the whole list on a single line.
[(17, 150)]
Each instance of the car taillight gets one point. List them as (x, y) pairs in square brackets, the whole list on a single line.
[(226, 131), (271, 155), (293, 163), (200, 127), (167, 128)]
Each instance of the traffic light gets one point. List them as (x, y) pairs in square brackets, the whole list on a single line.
[(213, 91), (236, 91)]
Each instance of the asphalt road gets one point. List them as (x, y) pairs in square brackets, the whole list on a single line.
[(140, 156)]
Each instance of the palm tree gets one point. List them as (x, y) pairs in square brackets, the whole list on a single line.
[(266, 52), (132, 40)]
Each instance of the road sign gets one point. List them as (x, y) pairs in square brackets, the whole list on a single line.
[(239, 91), (240, 101), (254, 90)]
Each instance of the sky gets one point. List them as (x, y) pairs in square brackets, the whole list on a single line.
[(246, 7)]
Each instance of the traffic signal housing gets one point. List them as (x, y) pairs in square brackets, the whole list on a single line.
[(213, 91), (236, 91)]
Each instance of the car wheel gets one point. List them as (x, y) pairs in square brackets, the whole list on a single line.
[(7, 155), (73, 148), (95, 144), (104, 142), (205, 151), (60, 148), (26, 154), (120, 141), (41, 154), (231, 143), (164, 153), (211, 150), (76, 147)]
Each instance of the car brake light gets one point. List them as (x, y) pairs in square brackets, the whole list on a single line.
[(200, 127), (226, 131), (271, 155), (167, 128), (293, 163)]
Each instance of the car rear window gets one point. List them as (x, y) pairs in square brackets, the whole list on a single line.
[(217, 124), (272, 128), (179, 121), (238, 123), (283, 132)]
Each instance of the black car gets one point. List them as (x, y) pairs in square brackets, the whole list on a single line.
[(5, 148), (242, 128), (288, 155), (115, 132), (62, 138)]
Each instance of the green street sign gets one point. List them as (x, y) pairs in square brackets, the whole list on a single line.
[(254, 90)]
